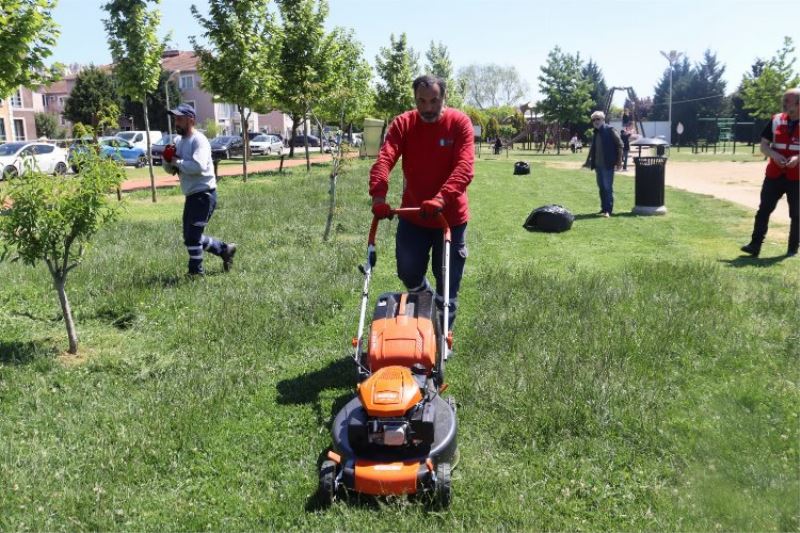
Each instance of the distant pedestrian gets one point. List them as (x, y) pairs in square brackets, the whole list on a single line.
[(191, 160), (498, 144), (573, 143), (780, 142), (605, 155), (625, 136)]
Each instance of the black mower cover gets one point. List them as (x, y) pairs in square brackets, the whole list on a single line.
[(521, 167), (549, 218)]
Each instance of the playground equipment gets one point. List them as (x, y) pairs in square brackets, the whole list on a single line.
[(635, 120)]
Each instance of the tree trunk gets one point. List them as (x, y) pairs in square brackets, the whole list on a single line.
[(246, 139), (332, 206), (305, 132), (558, 138), (59, 281), (295, 122), (149, 161)]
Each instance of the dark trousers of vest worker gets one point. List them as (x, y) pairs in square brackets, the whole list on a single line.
[(413, 245), (772, 191), (197, 212)]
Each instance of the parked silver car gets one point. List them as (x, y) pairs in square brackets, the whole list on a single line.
[(267, 144)]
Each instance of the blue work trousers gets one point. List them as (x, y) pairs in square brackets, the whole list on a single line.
[(413, 252), (197, 211)]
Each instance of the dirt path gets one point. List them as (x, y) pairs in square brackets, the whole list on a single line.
[(165, 180), (736, 182)]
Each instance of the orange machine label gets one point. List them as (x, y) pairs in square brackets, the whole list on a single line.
[(381, 479), (390, 391)]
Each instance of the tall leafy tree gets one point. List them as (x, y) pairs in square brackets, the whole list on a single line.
[(156, 104), (567, 94), (348, 95), (28, 35), (136, 51), (599, 91), (239, 64), (491, 85), (440, 65), (93, 98), (302, 69), (762, 89), (397, 66)]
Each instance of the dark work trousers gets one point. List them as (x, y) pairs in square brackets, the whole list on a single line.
[(605, 184), (413, 245), (771, 191), (197, 212)]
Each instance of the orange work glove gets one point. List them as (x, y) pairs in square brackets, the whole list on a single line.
[(432, 207), (382, 210)]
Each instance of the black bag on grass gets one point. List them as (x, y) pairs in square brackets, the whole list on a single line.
[(549, 218), (521, 167)]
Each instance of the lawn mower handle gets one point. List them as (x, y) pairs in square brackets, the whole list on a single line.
[(373, 230)]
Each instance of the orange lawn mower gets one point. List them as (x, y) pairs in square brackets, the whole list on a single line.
[(397, 436)]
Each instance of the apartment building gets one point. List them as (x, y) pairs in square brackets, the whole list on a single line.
[(17, 115)]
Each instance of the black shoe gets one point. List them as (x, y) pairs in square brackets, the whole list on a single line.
[(791, 253), (195, 275), (751, 250), (227, 256)]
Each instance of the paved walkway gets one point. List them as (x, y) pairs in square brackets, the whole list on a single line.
[(728, 180), (165, 180)]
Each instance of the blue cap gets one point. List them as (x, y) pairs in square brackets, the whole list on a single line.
[(183, 110)]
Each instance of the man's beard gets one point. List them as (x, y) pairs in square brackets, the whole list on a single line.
[(179, 130)]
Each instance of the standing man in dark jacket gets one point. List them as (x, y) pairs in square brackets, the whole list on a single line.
[(605, 155), (780, 142)]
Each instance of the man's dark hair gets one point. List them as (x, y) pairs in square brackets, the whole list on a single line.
[(429, 81)]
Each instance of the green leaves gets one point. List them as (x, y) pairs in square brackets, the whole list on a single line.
[(397, 66), (239, 64), (567, 92), (52, 219), (134, 45), (762, 94), (27, 36)]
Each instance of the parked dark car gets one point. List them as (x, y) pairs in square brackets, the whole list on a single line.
[(158, 148), (227, 146), (299, 140)]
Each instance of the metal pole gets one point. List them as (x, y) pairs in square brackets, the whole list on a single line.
[(169, 118), (670, 100)]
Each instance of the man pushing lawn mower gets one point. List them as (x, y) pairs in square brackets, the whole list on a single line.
[(436, 144)]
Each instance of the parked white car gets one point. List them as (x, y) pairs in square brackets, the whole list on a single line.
[(138, 138), (267, 144), (19, 158)]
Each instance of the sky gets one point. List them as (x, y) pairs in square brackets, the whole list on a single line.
[(624, 37)]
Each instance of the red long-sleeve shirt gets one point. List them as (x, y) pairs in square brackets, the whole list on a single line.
[(438, 158)]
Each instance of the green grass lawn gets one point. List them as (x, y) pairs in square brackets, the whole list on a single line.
[(634, 373)]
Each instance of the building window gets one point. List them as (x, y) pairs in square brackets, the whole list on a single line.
[(19, 129), (187, 82), (16, 100), (2, 129)]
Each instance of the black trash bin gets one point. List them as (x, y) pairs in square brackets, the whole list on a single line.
[(650, 185)]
